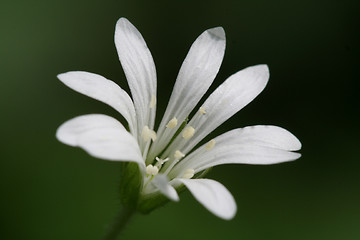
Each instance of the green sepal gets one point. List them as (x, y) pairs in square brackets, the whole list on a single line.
[(130, 184), (152, 201)]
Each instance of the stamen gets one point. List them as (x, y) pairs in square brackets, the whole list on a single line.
[(188, 132), (178, 154), (202, 110), (153, 101), (210, 144), (148, 134), (189, 173), (152, 170), (172, 123)]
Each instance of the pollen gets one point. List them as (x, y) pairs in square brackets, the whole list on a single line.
[(189, 173), (188, 132), (178, 154), (152, 170), (153, 101), (172, 123), (148, 134), (202, 110), (210, 144)]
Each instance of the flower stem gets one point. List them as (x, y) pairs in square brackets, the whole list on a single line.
[(119, 223)]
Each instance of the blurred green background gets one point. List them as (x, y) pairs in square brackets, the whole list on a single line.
[(53, 191)]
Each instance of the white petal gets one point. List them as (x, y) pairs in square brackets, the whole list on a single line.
[(213, 196), (261, 135), (245, 154), (231, 96), (249, 145), (197, 72), (101, 136), (161, 182), (70, 131), (102, 89), (139, 69)]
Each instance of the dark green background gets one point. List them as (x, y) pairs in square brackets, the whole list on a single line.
[(52, 191)]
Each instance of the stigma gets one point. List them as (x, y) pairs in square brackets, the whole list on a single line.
[(160, 162)]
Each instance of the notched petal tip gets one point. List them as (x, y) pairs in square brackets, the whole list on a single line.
[(217, 32)]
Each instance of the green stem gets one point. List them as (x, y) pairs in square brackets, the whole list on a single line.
[(120, 221)]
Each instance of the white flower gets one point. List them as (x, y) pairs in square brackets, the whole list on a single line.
[(167, 158)]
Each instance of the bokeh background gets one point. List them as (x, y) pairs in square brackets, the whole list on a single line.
[(53, 191)]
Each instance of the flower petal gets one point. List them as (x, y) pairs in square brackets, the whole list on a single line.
[(245, 154), (197, 72), (261, 135), (140, 72), (231, 96), (161, 182), (249, 145), (101, 136), (213, 196), (102, 89)]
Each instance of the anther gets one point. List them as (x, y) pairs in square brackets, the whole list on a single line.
[(178, 154), (210, 144), (188, 132), (152, 170), (172, 123), (148, 134), (202, 110), (153, 101), (189, 173)]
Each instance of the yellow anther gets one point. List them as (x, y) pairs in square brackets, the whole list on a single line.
[(188, 132), (210, 144), (153, 101), (189, 173), (152, 170), (202, 110), (178, 154), (172, 123), (148, 134)]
